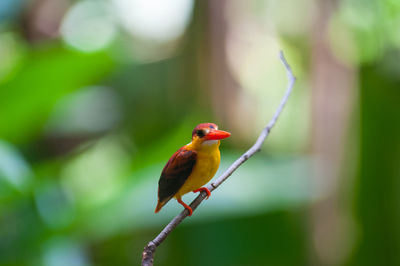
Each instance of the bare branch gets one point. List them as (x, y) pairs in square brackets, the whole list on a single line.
[(150, 248)]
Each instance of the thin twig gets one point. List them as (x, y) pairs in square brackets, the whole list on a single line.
[(150, 248)]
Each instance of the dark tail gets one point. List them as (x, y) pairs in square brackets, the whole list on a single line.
[(159, 206)]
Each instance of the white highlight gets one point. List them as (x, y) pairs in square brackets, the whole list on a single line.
[(89, 26), (209, 142), (160, 20)]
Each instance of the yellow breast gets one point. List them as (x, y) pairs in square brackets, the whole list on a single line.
[(207, 163)]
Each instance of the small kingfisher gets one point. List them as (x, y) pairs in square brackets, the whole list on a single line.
[(192, 166)]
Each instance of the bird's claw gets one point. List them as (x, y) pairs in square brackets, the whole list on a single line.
[(187, 207), (203, 189)]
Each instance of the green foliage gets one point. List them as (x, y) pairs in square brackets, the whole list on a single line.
[(84, 135), (378, 180), (44, 76)]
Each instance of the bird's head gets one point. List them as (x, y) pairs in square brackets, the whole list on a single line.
[(208, 133)]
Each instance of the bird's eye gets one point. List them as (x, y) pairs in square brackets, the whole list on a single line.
[(200, 133)]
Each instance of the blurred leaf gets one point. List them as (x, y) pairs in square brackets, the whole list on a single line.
[(48, 74), (13, 50), (96, 174), (15, 173), (55, 206), (64, 252)]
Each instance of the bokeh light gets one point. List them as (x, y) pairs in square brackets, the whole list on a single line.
[(93, 109), (89, 25), (158, 20), (13, 167)]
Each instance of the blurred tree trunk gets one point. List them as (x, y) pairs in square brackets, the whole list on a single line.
[(42, 19), (332, 103), (224, 87), (216, 89)]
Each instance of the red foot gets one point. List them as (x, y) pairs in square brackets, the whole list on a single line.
[(203, 189), (187, 207)]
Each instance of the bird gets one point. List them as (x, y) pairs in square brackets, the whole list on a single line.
[(192, 166)]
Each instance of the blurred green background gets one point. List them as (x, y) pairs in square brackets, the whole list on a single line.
[(96, 95)]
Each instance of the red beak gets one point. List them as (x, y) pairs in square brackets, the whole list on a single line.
[(217, 134)]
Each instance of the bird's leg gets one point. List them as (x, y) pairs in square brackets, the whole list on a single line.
[(203, 189), (187, 207)]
